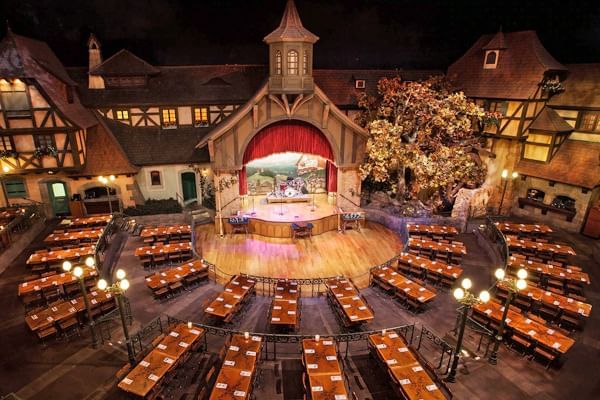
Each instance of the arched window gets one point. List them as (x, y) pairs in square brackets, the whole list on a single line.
[(305, 63), (278, 62), (292, 62), (155, 179)]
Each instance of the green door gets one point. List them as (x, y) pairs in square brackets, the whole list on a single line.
[(58, 198), (188, 183)]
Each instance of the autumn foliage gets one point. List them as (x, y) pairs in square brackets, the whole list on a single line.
[(426, 128)]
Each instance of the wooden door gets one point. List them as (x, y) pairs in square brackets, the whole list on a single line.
[(59, 198), (188, 184)]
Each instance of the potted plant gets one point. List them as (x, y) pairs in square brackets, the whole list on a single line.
[(4, 154), (42, 151)]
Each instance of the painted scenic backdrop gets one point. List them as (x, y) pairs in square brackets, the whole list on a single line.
[(266, 174)]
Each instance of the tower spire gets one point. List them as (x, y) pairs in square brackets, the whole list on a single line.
[(290, 28)]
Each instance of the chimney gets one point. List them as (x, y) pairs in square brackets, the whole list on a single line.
[(95, 59)]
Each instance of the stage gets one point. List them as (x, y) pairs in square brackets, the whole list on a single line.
[(275, 219), (332, 253)]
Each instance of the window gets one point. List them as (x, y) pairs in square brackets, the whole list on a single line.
[(590, 121), (305, 63), (122, 115), (15, 187), (43, 141), (155, 178), (169, 118), (359, 84), (6, 143), (278, 62), (537, 147), (201, 116), (491, 59), (497, 106), (292, 62), (14, 98)]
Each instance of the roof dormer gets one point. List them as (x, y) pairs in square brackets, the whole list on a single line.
[(493, 50)]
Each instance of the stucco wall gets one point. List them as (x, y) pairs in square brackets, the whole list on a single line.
[(170, 181)]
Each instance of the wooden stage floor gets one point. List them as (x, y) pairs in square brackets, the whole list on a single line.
[(329, 254), (288, 212)]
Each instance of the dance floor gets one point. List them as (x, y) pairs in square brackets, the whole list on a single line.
[(350, 254)]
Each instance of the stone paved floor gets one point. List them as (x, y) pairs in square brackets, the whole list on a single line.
[(75, 371)]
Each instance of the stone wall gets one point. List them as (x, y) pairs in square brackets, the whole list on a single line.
[(471, 203)]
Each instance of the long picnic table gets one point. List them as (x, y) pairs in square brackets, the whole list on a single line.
[(515, 243), (351, 306), (389, 277), (91, 235), (50, 257), (147, 375), (549, 269), (284, 307), (323, 368), (53, 280), (160, 248), (239, 366), (524, 229), (426, 229), (553, 299), (454, 248), (228, 301), (175, 274), (92, 220), (530, 328), (166, 230), (439, 267), (68, 308)]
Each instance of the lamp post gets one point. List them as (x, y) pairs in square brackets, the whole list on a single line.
[(77, 272), (104, 180), (504, 177), (512, 286), (5, 170), (118, 289), (467, 300)]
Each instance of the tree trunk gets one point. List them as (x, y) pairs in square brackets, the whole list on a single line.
[(401, 191)]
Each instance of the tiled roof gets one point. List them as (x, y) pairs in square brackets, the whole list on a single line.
[(582, 87), (339, 84), (22, 57), (124, 63), (576, 163), (548, 120), (199, 84), (496, 43), (291, 28), (106, 156), (155, 146), (230, 84), (520, 70)]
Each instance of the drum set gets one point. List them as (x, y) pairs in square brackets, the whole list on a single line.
[(289, 188)]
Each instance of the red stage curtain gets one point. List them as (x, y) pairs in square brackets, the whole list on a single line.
[(285, 137), (289, 136), (243, 181), (331, 177)]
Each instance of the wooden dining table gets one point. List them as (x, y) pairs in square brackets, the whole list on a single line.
[(175, 274), (160, 248), (389, 276), (10, 213), (523, 229), (553, 299), (352, 307), (450, 271), (57, 280), (92, 220), (49, 257), (415, 383), (229, 300), (165, 230), (239, 366), (323, 368), (68, 308), (427, 229), (535, 330), (517, 243), (148, 373), (284, 306), (455, 248), (74, 236), (549, 269), (391, 349)]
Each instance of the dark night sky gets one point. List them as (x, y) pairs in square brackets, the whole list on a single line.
[(354, 33)]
